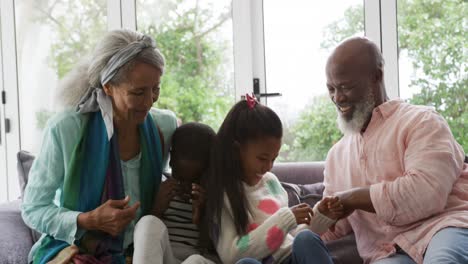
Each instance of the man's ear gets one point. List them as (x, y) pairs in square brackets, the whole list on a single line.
[(107, 89)]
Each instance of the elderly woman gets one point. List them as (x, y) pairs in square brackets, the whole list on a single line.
[(101, 163)]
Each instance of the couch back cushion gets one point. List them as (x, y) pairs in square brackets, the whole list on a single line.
[(24, 162), (14, 242), (307, 193), (299, 172), (301, 180)]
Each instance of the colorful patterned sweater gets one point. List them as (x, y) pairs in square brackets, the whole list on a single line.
[(271, 225)]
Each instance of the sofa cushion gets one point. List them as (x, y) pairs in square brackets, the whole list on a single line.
[(14, 250), (24, 162), (299, 172), (303, 193), (293, 193)]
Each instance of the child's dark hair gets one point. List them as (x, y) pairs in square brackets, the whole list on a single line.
[(192, 141), (242, 124)]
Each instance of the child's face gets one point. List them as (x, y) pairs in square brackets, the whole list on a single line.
[(187, 171), (257, 158)]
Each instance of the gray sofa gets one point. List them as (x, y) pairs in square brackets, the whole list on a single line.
[(302, 181)]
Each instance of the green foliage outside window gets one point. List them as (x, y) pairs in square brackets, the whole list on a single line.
[(194, 86), (433, 34), (197, 84)]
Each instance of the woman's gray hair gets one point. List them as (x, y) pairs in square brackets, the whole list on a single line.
[(88, 72)]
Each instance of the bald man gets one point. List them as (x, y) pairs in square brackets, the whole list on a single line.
[(398, 171)]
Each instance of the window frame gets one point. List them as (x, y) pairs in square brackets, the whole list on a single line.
[(249, 62), (3, 168), (11, 108)]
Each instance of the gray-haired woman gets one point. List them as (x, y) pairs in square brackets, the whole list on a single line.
[(100, 165)]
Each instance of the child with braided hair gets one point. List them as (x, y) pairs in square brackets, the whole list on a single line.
[(249, 220)]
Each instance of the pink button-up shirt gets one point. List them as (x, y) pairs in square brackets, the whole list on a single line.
[(418, 181)]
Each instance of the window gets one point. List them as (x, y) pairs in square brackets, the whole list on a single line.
[(298, 39), (214, 48), (52, 36), (433, 60), (197, 40), (40, 42)]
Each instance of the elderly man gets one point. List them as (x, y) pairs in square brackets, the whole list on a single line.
[(398, 171)]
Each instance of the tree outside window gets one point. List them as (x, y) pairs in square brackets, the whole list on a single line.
[(432, 38)]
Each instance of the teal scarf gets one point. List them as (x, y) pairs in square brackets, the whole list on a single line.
[(95, 176)]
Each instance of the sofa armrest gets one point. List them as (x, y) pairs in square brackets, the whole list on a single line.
[(299, 172), (16, 240)]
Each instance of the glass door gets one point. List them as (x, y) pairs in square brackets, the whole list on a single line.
[(433, 59), (196, 37), (299, 36)]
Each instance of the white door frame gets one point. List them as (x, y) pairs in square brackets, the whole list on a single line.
[(11, 108)]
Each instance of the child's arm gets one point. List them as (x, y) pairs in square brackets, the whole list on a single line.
[(198, 202), (167, 191), (262, 239), (326, 213)]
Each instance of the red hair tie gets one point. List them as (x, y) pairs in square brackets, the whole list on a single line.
[(251, 100)]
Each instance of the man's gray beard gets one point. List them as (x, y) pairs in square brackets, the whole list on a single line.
[(360, 116)]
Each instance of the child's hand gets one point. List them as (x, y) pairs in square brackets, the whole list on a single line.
[(198, 202), (303, 213), (167, 191), (331, 207)]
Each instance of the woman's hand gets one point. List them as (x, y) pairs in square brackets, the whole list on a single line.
[(303, 213), (111, 217), (198, 202), (167, 191)]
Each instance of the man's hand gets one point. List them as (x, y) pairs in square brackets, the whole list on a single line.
[(198, 202), (356, 199), (112, 217), (331, 207), (167, 191)]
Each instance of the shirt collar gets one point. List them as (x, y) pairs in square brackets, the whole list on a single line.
[(388, 108)]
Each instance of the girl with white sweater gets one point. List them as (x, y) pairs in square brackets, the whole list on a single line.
[(249, 219)]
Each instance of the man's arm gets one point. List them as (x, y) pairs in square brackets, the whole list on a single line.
[(356, 199), (433, 162)]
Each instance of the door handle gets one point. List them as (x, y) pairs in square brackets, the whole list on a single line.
[(256, 90), (7, 125)]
